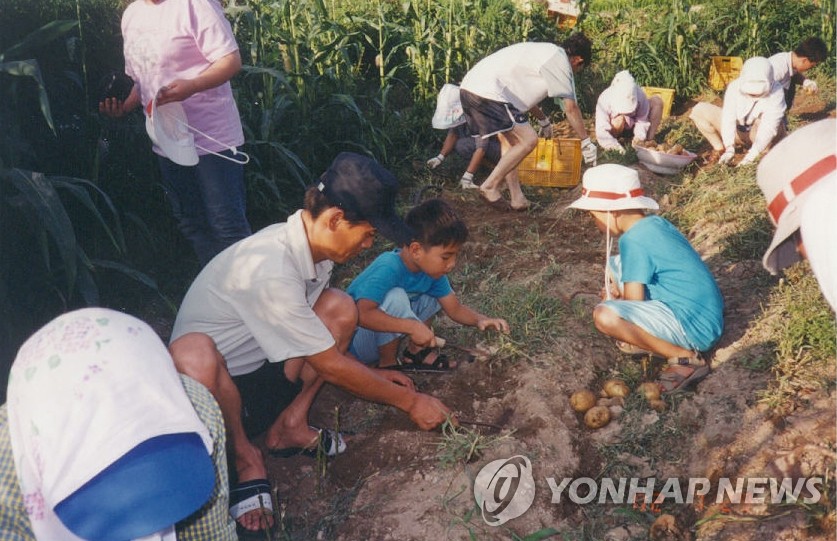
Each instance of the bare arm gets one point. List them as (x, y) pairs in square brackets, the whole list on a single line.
[(426, 411), (375, 319), (221, 71), (574, 118), (468, 316), (633, 291)]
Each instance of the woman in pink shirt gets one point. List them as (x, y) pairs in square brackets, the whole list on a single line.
[(184, 51)]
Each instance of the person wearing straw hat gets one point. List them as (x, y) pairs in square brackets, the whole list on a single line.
[(280, 331), (659, 296), (102, 439), (501, 88), (752, 113), (181, 56), (623, 109), (799, 183)]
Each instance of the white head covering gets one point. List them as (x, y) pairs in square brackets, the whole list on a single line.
[(623, 93), (797, 179), (449, 113), (83, 391), (612, 187), (756, 77)]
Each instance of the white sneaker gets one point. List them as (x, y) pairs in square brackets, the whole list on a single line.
[(468, 185)]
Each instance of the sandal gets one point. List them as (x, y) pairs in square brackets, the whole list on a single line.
[(329, 443), (414, 362), (681, 377)]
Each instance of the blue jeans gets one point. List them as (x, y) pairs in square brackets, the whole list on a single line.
[(208, 201), (365, 343)]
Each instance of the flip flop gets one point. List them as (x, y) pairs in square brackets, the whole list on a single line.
[(330, 443), (679, 378), (414, 362), (249, 496)]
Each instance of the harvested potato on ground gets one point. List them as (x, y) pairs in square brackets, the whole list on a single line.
[(658, 405), (597, 417), (616, 387), (582, 400), (676, 149), (650, 390)]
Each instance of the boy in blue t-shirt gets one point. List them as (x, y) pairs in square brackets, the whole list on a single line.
[(662, 298), (400, 291)]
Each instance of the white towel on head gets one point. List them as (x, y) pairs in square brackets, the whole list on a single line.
[(84, 390)]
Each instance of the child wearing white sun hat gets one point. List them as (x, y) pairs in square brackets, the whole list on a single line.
[(663, 298)]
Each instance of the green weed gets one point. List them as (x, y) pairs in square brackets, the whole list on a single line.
[(459, 445), (803, 327)]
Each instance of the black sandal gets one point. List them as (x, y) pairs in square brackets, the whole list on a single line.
[(414, 362)]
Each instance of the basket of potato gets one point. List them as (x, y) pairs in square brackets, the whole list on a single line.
[(663, 158)]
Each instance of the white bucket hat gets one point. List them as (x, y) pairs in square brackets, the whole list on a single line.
[(785, 174), (169, 129), (623, 93), (756, 77), (612, 187)]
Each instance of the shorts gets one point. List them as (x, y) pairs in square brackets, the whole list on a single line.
[(654, 317), (397, 303), (265, 393), (488, 117)]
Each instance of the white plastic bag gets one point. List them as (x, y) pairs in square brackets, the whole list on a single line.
[(449, 112)]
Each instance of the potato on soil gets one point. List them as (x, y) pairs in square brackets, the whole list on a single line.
[(597, 417), (650, 390), (582, 400), (616, 387)]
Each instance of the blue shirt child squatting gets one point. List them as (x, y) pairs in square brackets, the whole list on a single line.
[(388, 271), (655, 253)]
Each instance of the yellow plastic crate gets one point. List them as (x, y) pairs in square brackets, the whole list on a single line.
[(723, 70), (666, 94), (555, 163)]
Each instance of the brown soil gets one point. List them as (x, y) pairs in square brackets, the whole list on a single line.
[(390, 483)]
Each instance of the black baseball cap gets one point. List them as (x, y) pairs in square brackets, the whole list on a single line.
[(366, 192)]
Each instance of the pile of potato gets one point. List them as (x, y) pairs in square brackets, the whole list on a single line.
[(667, 148), (596, 410)]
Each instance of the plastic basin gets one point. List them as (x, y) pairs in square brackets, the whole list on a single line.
[(662, 163)]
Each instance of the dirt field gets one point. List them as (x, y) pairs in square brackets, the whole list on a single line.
[(397, 483)]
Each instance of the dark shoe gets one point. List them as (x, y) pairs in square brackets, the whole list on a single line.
[(414, 362)]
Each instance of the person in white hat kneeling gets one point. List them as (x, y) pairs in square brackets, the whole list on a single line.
[(623, 109), (754, 106), (659, 296), (799, 182)]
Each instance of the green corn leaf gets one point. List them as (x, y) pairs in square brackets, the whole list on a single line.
[(29, 68), (41, 195), (76, 186), (39, 38)]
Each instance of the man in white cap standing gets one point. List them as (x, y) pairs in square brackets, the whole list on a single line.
[(754, 106), (799, 183), (624, 109), (659, 296)]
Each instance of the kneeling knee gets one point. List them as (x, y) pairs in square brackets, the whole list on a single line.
[(194, 354), (605, 318)]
